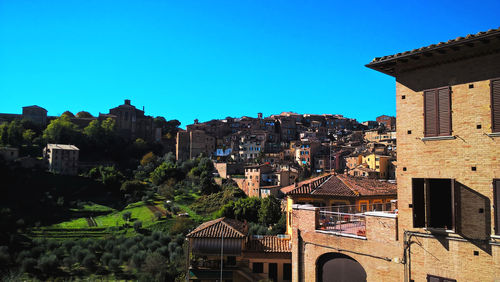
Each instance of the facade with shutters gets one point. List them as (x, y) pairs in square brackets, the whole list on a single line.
[(448, 113)]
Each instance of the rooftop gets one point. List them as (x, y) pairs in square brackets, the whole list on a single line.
[(268, 244), (227, 227), (343, 185), (443, 50), (63, 147)]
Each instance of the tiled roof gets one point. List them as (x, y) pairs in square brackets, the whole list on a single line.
[(451, 42), (342, 185), (63, 147), (268, 244), (289, 188), (227, 227)]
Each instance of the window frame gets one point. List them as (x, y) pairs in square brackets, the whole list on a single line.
[(436, 108), (426, 206)]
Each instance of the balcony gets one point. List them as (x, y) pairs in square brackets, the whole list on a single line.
[(371, 221)]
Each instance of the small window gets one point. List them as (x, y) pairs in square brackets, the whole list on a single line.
[(437, 112), (257, 267)]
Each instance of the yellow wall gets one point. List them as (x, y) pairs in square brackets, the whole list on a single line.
[(382, 163)]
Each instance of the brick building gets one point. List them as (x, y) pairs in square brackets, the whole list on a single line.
[(131, 122), (388, 121), (448, 98)]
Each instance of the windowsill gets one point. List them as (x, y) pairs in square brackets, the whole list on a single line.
[(436, 138), (494, 134), (495, 237), (439, 230)]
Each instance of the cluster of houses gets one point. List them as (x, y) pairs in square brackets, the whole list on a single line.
[(440, 222)]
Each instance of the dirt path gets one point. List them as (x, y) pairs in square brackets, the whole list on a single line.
[(155, 209)]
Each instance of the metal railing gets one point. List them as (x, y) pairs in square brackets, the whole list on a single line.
[(356, 209), (345, 223)]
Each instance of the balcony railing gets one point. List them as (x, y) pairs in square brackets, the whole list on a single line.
[(354, 209), (344, 223)]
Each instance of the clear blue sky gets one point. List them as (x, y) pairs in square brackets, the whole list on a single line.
[(212, 59)]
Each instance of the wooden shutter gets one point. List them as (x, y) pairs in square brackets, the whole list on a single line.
[(430, 113), (496, 204), (495, 105), (418, 202), (444, 111)]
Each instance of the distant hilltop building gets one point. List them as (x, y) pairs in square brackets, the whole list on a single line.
[(131, 122), (34, 113), (62, 158)]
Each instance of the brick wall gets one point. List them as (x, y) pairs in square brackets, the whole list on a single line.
[(451, 256)]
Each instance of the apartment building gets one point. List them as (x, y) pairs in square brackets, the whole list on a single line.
[(62, 158), (388, 122)]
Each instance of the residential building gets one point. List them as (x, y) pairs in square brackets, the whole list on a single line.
[(388, 122), (339, 193), (9, 153), (244, 258), (252, 145), (62, 158), (447, 100), (305, 152), (380, 136)]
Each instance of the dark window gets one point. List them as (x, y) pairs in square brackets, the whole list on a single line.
[(437, 112), (433, 278), (258, 267), (273, 272), (287, 271), (495, 105), (496, 204), (433, 203)]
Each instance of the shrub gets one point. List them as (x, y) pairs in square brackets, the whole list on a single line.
[(137, 225), (28, 265), (68, 262), (48, 263), (114, 265), (89, 261), (105, 258)]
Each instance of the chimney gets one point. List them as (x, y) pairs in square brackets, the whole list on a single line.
[(196, 121), (127, 102), (259, 115)]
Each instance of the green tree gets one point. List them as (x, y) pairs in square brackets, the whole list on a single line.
[(15, 133), (62, 131), (270, 211), (28, 136), (164, 172), (243, 209), (4, 135), (83, 114)]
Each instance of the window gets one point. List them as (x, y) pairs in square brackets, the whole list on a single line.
[(433, 203), (496, 204), (231, 260), (495, 105), (257, 267), (433, 278), (287, 271), (437, 112)]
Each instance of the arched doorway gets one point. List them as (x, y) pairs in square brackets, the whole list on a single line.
[(337, 267)]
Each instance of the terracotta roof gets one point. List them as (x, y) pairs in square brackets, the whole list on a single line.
[(342, 185), (455, 44), (458, 40), (227, 227), (289, 188), (268, 244)]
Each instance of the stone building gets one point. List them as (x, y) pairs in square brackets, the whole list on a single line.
[(191, 144), (388, 121), (36, 114), (131, 122), (62, 158), (9, 153)]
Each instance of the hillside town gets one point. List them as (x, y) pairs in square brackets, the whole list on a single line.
[(286, 197)]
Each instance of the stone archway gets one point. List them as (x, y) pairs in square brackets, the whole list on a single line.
[(337, 267)]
